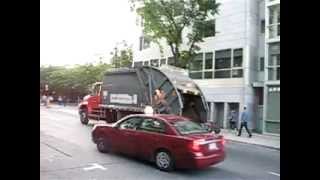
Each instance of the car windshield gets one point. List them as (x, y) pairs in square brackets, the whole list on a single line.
[(189, 127)]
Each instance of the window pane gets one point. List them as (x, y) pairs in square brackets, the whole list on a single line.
[(262, 27), (237, 58), (222, 74), (146, 63), (152, 126), (274, 73), (138, 64), (195, 75), (208, 75), (162, 62), (273, 103), (223, 59), (237, 73), (261, 64), (196, 63), (208, 62), (155, 62), (274, 54), (146, 42), (272, 127)]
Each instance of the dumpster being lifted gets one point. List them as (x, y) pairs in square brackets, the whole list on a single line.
[(127, 91)]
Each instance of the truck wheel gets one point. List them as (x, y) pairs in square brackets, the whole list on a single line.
[(103, 146), (164, 161), (84, 117)]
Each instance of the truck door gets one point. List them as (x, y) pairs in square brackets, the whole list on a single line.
[(94, 100)]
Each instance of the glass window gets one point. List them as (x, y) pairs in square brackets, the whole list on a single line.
[(274, 21), (262, 26), (162, 62), (140, 42), (237, 58), (236, 73), (223, 59), (152, 125), (146, 63), (208, 60), (195, 75), (261, 64), (131, 123), (208, 75), (154, 62), (146, 42), (196, 63), (273, 103), (274, 61), (189, 127), (138, 64), (274, 73), (222, 74)]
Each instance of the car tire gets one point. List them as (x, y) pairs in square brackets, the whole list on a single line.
[(103, 146), (164, 161), (84, 117)]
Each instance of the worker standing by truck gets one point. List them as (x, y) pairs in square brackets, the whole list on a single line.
[(160, 102)]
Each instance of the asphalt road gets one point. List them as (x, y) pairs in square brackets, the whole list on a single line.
[(67, 152)]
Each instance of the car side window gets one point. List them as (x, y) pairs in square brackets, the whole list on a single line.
[(152, 125), (131, 123)]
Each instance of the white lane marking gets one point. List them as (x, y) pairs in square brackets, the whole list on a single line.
[(273, 173), (95, 166)]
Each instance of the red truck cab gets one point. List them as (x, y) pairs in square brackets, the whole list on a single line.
[(90, 103)]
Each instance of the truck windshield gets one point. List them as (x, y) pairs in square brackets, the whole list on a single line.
[(189, 127)]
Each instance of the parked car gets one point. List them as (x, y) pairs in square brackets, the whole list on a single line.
[(168, 140)]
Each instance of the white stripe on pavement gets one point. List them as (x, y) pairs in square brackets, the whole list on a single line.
[(94, 166), (273, 173)]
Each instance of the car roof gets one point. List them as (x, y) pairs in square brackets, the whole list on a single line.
[(168, 117)]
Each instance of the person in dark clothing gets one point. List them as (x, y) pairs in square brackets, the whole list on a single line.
[(244, 122), (233, 120)]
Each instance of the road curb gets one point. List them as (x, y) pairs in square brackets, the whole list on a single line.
[(266, 146)]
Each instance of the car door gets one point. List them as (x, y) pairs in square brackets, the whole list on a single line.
[(151, 132), (126, 137)]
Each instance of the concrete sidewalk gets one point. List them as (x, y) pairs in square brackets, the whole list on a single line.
[(256, 139)]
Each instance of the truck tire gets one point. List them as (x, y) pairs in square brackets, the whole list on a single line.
[(84, 117)]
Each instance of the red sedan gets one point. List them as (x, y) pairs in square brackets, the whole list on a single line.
[(168, 140)]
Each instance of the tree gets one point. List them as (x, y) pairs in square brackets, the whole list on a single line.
[(170, 19), (76, 79), (123, 57)]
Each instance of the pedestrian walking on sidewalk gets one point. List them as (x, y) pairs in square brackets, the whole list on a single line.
[(244, 122)]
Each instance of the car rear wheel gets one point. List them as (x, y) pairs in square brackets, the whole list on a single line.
[(164, 161), (103, 146), (84, 117)]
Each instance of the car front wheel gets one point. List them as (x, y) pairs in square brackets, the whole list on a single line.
[(103, 146), (164, 161)]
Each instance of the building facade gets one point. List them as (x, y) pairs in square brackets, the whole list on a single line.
[(237, 66)]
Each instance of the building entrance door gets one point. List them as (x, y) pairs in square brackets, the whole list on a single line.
[(218, 113), (233, 107)]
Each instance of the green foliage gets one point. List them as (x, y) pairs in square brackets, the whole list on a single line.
[(170, 19), (122, 58), (78, 79)]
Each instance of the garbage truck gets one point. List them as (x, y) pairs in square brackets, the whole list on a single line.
[(125, 91)]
